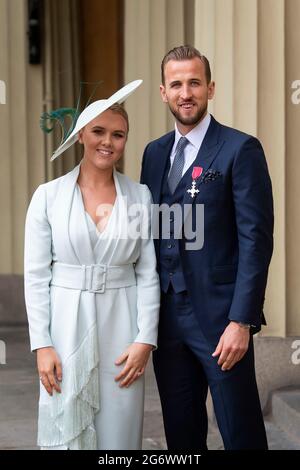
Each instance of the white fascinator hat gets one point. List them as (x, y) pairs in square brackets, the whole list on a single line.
[(92, 111)]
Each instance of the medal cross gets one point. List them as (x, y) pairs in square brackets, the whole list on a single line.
[(193, 190)]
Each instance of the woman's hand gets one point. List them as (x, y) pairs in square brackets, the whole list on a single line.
[(49, 367), (136, 357)]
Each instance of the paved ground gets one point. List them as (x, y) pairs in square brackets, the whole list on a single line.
[(19, 395)]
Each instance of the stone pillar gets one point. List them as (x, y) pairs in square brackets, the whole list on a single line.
[(20, 137), (30, 90), (271, 131), (152, 27), (244, 41), (292, 225)]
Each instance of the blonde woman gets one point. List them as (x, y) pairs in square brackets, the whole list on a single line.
[(92, 291)]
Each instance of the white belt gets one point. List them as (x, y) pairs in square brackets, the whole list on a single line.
[(94, 278)]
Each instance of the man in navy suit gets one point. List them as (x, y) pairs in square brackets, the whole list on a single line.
[(212, 292)]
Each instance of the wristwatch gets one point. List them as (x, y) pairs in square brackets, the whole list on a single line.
[(244, 325)]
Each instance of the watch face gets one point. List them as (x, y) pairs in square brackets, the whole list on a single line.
[(245, 325)]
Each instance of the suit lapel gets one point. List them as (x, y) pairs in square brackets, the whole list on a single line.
[(164, 150), (208, 151), (61, 218)]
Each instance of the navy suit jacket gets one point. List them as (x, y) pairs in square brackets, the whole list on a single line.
[(227, 277)]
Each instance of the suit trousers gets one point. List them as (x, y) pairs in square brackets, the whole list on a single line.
[(184, 368)]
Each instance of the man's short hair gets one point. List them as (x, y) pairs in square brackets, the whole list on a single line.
[(185, 53)]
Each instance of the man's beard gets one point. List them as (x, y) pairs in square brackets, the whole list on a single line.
[(189, 121)]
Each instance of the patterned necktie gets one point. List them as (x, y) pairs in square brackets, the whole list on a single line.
[(175, 174)]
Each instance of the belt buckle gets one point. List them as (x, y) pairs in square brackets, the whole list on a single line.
[(97, 278)]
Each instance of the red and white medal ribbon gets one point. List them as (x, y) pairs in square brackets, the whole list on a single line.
[(197, 172)]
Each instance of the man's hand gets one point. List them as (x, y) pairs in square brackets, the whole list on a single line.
[(49, 367), (136, 357), (232, 345)]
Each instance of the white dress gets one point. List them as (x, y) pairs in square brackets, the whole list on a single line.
[(89, 330), (121, 408)]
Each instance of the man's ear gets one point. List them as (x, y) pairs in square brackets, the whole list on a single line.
[(80, 136), (211, 90), (163, 94)]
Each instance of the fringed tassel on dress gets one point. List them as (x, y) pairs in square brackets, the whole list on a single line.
[(69, 418)]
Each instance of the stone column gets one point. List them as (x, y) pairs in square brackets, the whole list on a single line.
[(152, 27), (292, 225), (271, 130), (21, 141), (244, 41), (30, 90)]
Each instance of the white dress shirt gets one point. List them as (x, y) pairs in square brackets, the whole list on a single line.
[(195, 138)]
